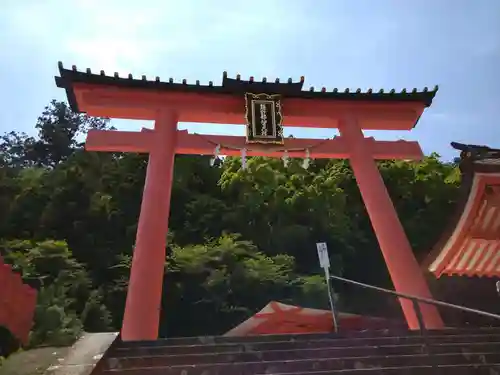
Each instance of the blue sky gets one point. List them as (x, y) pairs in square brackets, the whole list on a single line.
[(333, 43)]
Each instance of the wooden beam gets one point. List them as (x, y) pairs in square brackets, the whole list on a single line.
[(490, 234), (202, 144), (118, 141), (493, 197), (485, 236), (227, 109)]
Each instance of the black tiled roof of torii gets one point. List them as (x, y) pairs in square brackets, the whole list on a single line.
[(238, 86)]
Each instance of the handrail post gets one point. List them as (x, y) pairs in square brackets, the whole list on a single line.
[(423, 333), (418, 312), (421, 323), (332, 304)]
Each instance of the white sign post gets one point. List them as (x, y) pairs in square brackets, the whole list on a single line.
[(324, 262)]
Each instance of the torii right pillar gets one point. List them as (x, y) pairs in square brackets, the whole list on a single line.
[(403, 268)]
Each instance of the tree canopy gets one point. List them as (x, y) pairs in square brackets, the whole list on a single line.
[(238, 237)]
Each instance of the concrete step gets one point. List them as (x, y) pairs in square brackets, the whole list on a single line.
[(211, 340), (282, 355), (470, 369), (147, 349), (309, 365)]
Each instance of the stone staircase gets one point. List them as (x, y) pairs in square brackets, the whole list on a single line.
[(453, 351)]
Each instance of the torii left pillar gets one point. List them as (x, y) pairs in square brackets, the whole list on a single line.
[(143, 304)]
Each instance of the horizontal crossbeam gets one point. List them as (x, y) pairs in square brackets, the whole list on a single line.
[(201, 144)]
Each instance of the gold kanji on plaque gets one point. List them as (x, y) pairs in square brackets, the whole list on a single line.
[(264, 118)]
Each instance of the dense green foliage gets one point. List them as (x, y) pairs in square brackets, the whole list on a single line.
[(238, 238)]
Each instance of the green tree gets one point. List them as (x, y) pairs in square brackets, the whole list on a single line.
[(215, 286), (286, 210), (66, 302), (50, 188)]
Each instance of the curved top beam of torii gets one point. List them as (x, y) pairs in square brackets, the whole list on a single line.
[(140, 99)]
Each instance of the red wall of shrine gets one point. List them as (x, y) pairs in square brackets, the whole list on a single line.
[(17, 303)]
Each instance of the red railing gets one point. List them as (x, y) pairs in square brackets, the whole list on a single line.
[(17, 303)]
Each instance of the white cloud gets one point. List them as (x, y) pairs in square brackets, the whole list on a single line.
[(110, 36)]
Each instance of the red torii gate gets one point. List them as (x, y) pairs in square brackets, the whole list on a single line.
[(168, 103)]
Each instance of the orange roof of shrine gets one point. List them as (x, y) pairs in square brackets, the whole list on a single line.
[(471, 245), (279, 318), (127, 97)]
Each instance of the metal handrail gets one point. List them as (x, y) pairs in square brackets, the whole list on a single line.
[(417, 299), (427, 344)]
